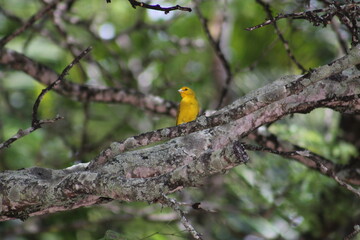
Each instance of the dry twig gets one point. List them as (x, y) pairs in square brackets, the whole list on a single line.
[(28, 23), (267, 9), (170, 202), (35, 122), (215, 44), (157, 7)]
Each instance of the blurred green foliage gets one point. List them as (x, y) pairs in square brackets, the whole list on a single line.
[(270, 198)]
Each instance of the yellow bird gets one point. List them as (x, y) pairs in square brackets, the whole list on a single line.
[(189, 106)]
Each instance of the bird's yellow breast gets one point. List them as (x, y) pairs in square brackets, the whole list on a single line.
[(188, 108)]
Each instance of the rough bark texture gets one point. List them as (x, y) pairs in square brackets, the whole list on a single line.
[(128, 177), (198, 149)]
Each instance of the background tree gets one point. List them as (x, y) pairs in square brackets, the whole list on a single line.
[(111, 71)]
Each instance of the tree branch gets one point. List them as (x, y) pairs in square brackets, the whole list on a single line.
[(37, 191), (80, 92), (35, 120), (285, 96), (157, 7), (36, 123), (219, 53), (22, 133), (304, 156), (170, 202), (211, 145), (268, 11), (28, 23), (312, 16)]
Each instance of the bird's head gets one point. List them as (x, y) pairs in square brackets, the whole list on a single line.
[(186, 91)]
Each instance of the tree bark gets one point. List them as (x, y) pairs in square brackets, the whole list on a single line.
[(207, 146)]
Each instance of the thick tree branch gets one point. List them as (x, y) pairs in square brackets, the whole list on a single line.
[(37, 191), (211, 145), (287, 95)]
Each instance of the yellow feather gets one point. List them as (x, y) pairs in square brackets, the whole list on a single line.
[(189, 106)]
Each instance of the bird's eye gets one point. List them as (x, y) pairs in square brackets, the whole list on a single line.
[(185, 89)]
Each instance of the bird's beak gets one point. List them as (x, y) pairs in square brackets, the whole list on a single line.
[(180, 90)]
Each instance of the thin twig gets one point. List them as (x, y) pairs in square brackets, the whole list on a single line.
[(347, 186), (35, 119), (336, 28), (35, 122), (298, 15), (10, 15), (21, 133), (268, 11), (28, 23), (157, 7), (59, 24), (311, 16), (348, 15), (170, 202), (270, 150), (215, 44), (331, 173)]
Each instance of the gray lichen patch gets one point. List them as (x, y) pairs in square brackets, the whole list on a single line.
[(14, 194), (87, 177), (273, 95)]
